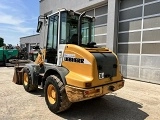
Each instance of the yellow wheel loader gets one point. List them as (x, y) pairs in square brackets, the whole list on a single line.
[(71, 67)]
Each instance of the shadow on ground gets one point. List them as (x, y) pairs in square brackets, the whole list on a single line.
[(108, 107), (39, 92)]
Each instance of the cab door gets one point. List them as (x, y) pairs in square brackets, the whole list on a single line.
[(52, 40)]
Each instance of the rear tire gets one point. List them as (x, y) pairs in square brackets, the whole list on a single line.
[(27, 81), (55, 95)]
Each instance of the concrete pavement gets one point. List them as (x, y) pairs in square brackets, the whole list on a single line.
[(136, 101)]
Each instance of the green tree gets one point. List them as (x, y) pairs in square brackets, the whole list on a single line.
[(1, 42)]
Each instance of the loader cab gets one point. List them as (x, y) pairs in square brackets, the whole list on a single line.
[(67, 27)]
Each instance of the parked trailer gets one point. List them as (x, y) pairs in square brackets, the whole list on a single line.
[(7, 54)]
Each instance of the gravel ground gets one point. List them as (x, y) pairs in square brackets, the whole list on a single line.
[(136, 101)]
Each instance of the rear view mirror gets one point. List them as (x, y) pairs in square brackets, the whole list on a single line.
[(39, 26)]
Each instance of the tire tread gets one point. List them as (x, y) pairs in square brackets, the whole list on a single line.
[(30, 87), (65, 103)]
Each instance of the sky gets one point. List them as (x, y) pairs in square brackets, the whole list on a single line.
[(18, 18)]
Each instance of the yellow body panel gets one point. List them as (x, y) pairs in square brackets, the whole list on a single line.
[(82, 73)]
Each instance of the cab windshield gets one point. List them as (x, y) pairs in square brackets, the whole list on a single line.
[(69, 29)]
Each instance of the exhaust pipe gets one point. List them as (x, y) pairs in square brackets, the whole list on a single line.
[(80, 26)]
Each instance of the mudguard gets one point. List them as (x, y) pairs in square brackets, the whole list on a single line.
[(60, 70)]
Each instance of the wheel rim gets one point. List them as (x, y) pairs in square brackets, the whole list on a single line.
[(51, 92), (25, 79)]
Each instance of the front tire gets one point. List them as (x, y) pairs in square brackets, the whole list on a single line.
[(27, 80), (55, 95)]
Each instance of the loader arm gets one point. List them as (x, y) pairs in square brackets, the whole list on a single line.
[(41, 57)]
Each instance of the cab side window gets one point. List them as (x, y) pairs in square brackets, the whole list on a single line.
[(52, 37)]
